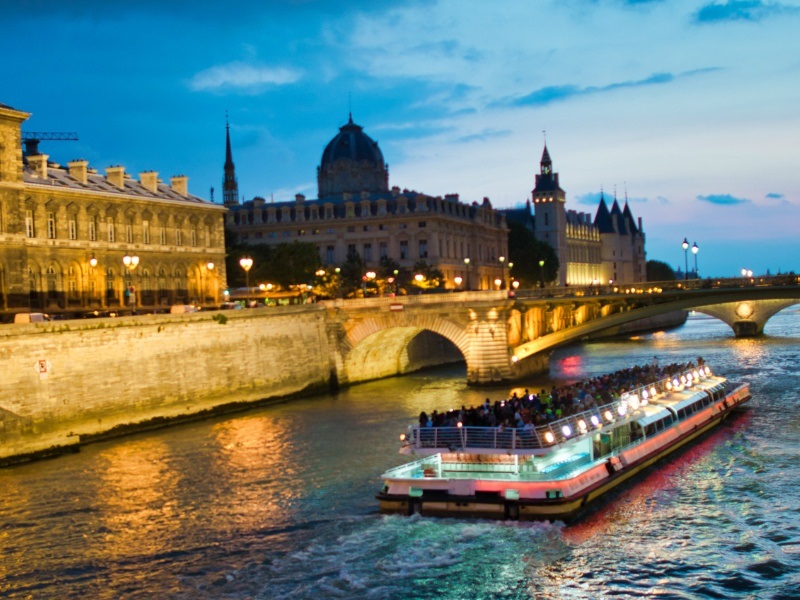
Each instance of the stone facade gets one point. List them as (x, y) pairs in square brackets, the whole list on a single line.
[(65, 230), (591, 251), (356, 212)]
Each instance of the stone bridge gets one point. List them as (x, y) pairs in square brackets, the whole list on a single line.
[(504, 338)]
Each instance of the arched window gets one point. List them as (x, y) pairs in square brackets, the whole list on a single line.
[(52, 283), (72, 283)]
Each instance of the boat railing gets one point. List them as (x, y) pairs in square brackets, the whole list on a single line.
[(624, 407)]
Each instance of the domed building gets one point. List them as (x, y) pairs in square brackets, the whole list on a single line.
[(358, 213), (352, 162)]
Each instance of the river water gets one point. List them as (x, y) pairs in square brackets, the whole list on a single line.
[(279, 502)]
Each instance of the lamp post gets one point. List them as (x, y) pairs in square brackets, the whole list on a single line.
[(92, 279), (207, 286), (246, 263), (695, 250), (131, 262), (685, 246), (466, 264), (502, 260), (457, 280), (541, 273), (369, 275)]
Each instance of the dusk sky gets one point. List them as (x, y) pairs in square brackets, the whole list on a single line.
[(691, 107)]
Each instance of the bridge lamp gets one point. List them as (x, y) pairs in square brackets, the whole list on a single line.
[(515, 284), (685, 246), (498, 282), (695, 250), (744, 272), (466, 264)]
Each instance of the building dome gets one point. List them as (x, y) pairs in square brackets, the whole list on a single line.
[(352, 162)]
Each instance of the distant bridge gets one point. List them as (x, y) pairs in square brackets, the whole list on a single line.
[(504, 338)]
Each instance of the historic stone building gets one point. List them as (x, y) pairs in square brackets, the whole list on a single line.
[(608, 248), (357, 212), (73, 240)]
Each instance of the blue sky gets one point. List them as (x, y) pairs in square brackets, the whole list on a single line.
[(691, 107)]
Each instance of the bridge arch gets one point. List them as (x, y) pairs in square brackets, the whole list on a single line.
[(391, 344)]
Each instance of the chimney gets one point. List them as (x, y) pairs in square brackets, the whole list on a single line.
[(116, 176), (78, 169), (39, 164), (299, 198), (149, 181), (180, 185)]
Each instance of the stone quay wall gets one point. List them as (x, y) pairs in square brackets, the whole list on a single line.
[(61, 381)]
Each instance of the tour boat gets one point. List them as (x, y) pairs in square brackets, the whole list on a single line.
[(552, 472)]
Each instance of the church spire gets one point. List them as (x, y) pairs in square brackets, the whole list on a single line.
[(546, 164), (230, 187)]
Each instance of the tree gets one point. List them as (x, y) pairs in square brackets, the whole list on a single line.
[(659, 271), (525, 251), (292, 264), (432, 278)]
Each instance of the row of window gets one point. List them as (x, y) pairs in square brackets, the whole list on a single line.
[(111, 231)]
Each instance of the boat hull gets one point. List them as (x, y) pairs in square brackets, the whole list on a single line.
[(437, 501)]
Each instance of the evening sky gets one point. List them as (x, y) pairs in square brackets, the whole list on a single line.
[(689, 108)]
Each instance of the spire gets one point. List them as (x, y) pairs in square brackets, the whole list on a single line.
[(546, 164), (230, 186)]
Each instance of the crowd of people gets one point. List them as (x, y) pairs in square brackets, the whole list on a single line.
[(532, 410)]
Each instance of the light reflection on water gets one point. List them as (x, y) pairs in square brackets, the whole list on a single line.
[(279, 502)]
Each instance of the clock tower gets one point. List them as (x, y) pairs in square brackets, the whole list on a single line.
[(550, 213)]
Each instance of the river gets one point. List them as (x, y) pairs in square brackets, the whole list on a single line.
[(278, 502)]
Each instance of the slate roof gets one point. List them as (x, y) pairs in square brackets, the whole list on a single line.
[(351, 143), (60, 178)]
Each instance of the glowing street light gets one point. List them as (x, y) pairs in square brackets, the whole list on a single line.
[(541, 273), (466, 264), (131, 262), (685, 246), (247, 263), (695, 250), (457, 280)]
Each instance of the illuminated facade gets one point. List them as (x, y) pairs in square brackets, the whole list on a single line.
[(608, 248), (64, 232), (356, 212)]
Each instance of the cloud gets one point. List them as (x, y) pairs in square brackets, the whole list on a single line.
[(484, 135), (550, 94), (775, 196), (723, 199), (741, 10), (242, 75), (591, 199)]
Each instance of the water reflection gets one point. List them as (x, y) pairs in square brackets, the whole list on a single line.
[(138, 499)]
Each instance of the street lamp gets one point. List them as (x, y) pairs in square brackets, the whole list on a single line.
[(247, 263), (695, 250), (457, 280), (369, 275), (131, 262), (541, 273), (502, 260), (685, 246), (210, 290), (466, 264)]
